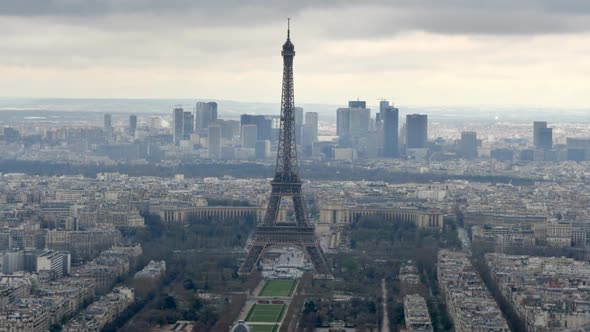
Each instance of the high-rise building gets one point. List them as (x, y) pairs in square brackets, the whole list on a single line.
[(58, 262), (383, 105), (342, 122), (310, 128), (368, 146), (357, 104), (390, 119), (229, 128), (359, 119), (205, 114), (249, 136), (468, 145), (13, 261), (214, 141), (177, 124), (156, 122), (537, 126), (542, 135), (578, 148), (108, 127), (416, 131), (132, 124), (353, 121), (228, 153), (11, 134), (298, 125), (545, 138), (262, 149), (107, 123), (263, 125), (298, 116), (187, 125)]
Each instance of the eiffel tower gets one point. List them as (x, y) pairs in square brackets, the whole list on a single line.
[(286, 182)]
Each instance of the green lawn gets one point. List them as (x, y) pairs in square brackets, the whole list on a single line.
[(264, 328), (278, 288), (268, 313)]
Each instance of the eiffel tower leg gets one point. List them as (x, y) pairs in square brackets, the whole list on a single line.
[(300, 211), (272, 210), (251, 260)]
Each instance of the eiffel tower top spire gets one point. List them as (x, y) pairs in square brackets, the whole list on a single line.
[(286, 170), (288, 47)]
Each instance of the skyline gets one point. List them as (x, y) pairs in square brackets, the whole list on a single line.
[(174, 214), (451, 53)]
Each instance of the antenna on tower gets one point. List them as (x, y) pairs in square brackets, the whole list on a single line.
[(387, 100), (288, 27)]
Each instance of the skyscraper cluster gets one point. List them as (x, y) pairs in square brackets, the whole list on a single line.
[(247, 139), (361, 136), (543, 149), (263, 123), (389, 133)]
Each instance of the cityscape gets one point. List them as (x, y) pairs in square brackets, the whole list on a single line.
[(367, 214)]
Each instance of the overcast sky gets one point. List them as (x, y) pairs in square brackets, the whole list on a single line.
[(417, 52)]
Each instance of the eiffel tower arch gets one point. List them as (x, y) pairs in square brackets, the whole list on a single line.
[(286, 183)]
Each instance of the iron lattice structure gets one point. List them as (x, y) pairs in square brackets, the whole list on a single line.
[(286, 183)]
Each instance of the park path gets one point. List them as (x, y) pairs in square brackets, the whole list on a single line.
[(385, 323), (258, 288)]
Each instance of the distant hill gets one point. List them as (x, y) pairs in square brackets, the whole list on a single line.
[(228, 109)]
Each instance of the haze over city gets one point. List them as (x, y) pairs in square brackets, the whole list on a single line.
[(312, 166)]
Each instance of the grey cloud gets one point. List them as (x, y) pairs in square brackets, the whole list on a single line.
[(497, 17)]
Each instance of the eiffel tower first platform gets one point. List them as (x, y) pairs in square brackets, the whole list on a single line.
[(286, 182)]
